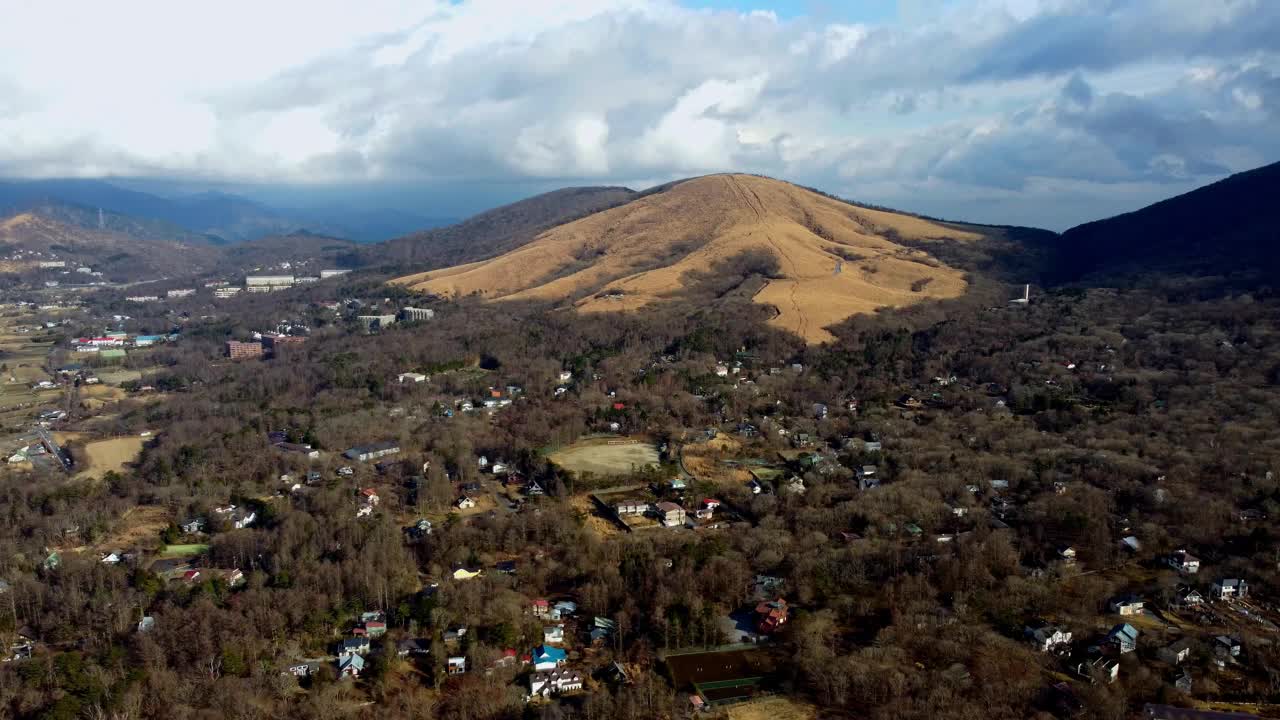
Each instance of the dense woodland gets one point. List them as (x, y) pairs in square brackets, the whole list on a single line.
[(1145, 409)]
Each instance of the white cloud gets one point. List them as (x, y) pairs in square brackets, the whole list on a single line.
[(964, 100)]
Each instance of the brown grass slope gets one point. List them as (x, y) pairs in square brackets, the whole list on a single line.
[(834, 259)]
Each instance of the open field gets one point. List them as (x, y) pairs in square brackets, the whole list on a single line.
[(103, 456), (600, 457), (721, 675), (772, 708), (141, 525), (704, 461), (833, 260)]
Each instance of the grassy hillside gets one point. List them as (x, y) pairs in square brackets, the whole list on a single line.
[(822, 260)]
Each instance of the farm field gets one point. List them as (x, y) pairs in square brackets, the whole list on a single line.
[(600, 457)]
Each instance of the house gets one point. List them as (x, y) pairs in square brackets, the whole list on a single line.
[(794, 486), (370, 496), (565, 376), (1046, 637), (553, 634), (410, 377), (146, 624), (452, 636), (1186, 596), (358, 645), (457, 665), (1067, 555), (375, 628), (563, 608), (1184, 682), (1229, 589), (708, 508), (533, 489), (465, 503), (190, 576), (1131, 543), (677, 484), (540, 607), (498, 468), (1177, 652), (1127, 605), (546, 658), (1124, 638), (671, 514), (631, 507), (365, 453), (771, 615), (1226, 646), (1097, 668), (602, 629), (350, 666), (554, 682), (192, 526), (1184, 562)]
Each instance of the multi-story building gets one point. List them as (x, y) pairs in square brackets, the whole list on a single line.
[(237, 350), (411, 314)]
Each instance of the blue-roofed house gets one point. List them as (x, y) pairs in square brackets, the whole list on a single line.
[(545, 657), (1124, 637), (145, 340), (350, 666)]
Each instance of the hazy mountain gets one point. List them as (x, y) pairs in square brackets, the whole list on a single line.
[(217, 217)]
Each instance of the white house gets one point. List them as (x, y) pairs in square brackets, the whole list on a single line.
[(465, 502), (411, 377), (1229, 589), (554, 682), (1046, 637)]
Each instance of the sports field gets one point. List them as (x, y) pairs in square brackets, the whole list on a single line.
[(606, 456)]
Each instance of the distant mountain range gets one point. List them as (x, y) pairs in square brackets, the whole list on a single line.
[(211, 217)]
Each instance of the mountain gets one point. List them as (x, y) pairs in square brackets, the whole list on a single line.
[(497, 230), (821, 259), (306, 253), (43, 234), (1230, 228)]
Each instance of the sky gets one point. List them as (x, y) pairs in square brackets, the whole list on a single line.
[(1034, 112)]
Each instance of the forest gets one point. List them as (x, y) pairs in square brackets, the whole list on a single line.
[(1000, 435)]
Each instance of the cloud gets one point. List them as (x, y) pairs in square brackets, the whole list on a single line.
[(964, 108)]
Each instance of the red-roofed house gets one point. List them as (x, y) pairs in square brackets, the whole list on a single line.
[(771, 615)]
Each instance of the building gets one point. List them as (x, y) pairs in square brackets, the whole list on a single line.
[(223, 293), (180, 293), (1229, 589), (1124, 638), (545, 658), (1046, 637), (365, 453), (350, 666), (411, 314), (142, 298), (237, 350), (771, 615), (376, 322), (275, 342), (51, 264), (554, 682), (1184, 562), (671, 514), (1127, 605), (457, 665), (147, 340), (411, 377), (631, 507), (267, 283), (1177, 652), (326, 274)]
